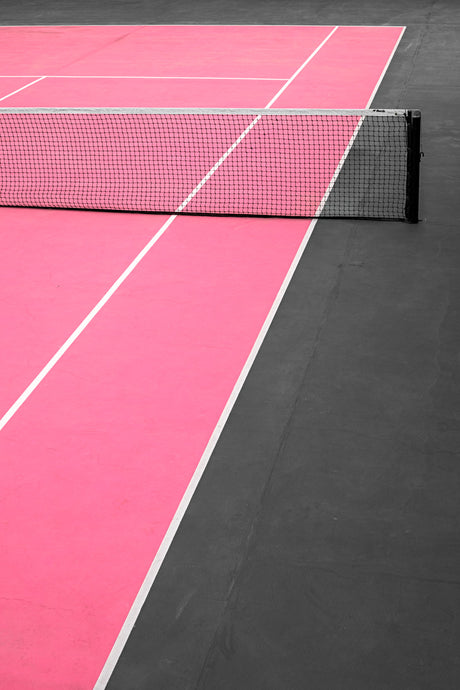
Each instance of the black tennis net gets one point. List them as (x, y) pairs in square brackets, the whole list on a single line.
[(289, 163)]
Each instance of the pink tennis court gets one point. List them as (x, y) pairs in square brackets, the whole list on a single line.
[(126, 337)]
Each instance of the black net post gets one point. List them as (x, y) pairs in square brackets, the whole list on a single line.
[(413, 165)]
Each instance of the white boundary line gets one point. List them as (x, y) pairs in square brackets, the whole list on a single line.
[(146, 586), (189, 492), (157, 562), (26, 86), (358, 127), (133, 76), (71, 339), (297, 72), (387, 64)]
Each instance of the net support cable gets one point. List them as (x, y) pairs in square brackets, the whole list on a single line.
[(236, 161)]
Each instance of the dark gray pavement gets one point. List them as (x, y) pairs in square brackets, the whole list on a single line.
[(391, 12), (321, 550)]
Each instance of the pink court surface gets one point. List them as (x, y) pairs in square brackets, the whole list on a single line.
[(126, 338)]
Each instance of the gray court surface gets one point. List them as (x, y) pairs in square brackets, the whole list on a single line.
[(321, 550)]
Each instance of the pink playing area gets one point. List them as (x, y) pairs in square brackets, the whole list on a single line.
[(151, 162), (98, 457)]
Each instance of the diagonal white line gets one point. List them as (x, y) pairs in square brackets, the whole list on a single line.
[(129, 623), (146, 586), (297, 72), (26, 86), (217, 165), (71, 339), (356, 131)]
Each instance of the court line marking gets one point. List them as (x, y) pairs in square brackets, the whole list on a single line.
[(146, 586), (387, 64), (163, 549), (217, 165), (110, 76), (159, 557), (355, 133), (26, 86), (81, 327), (156, 564), (297, 72), (74, 335)]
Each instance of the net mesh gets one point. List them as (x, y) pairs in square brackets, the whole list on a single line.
[(265, 163)]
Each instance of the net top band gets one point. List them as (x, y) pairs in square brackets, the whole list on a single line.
[(210, 111)]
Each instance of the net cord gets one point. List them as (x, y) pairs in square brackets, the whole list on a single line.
[(263, 112)]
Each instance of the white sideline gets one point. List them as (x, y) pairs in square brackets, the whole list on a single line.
[(164, 547), (146, 586)]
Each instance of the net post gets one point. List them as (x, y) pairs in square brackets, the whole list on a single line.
[(413, 118)]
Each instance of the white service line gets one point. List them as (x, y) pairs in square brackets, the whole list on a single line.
[(135, 76), (26, 86), (146, 586)]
